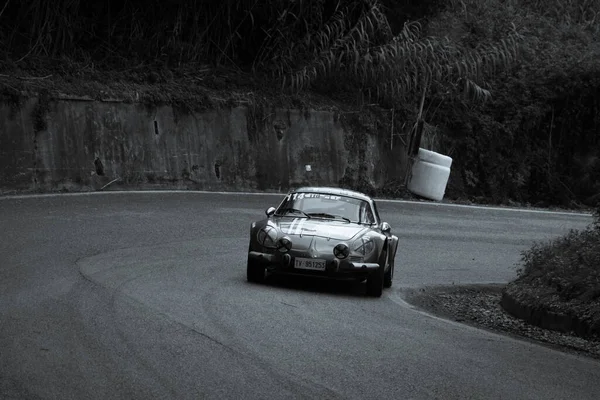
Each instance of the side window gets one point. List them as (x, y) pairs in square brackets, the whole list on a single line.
[(366, 213), (369, 215)]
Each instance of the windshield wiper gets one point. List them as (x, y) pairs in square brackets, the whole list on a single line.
[(290, 210), (325, 215)]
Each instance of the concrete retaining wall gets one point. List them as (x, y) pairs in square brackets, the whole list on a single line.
[(49, 144)]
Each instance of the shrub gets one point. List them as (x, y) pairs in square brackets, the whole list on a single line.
[(570, 265)]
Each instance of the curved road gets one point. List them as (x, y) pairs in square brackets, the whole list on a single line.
[(143, 295)]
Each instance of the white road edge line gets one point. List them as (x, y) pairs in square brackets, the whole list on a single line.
[(423, 203)]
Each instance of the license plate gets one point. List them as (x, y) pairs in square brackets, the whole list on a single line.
[(309, 263)]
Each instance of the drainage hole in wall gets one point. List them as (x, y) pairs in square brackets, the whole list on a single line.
[(218, 170), (156, 127), (99, 167)]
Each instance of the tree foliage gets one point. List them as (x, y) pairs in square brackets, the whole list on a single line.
[(340, 44), (537, 139)]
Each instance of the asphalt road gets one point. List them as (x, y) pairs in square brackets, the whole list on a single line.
[(142, 296)]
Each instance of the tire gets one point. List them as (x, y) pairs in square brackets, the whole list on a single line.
[(375, 283), (255, 272)]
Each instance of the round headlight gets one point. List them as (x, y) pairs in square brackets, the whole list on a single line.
[(341, 251), (284, 244), (267, 236)]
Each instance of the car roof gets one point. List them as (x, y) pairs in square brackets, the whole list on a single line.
[(332, 190)]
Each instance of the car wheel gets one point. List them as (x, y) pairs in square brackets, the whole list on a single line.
[(255, 272), (389, 276), (375, 283)]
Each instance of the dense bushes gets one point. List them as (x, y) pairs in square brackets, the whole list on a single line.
[(229, 32), (533, 142), (347, 48), (569, 265), (538, 138), (131, 31)]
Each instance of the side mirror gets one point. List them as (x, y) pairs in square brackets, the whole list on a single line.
[(270, 211), (385, 227)]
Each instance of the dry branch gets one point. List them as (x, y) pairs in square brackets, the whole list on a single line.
[(34, 77)]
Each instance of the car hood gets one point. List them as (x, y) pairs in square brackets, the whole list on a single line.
[(338, 230)]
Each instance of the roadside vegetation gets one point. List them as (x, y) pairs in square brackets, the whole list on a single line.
[(508, 88), (562, 276), (569, 265)]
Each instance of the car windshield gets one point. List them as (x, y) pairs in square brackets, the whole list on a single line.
[(322, 205)]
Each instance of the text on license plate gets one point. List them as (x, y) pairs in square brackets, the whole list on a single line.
[(309, 263)]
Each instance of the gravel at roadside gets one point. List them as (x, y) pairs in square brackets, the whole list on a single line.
[(479, 305)]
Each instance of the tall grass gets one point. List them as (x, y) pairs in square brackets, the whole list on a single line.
[(177, 30), (328, 45)]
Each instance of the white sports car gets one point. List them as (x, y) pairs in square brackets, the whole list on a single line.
[(325, 232)]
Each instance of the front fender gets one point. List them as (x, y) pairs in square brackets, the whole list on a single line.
[(393, 246), (254, 228)]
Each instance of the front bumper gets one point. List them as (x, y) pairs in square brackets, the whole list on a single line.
[(335, 268)]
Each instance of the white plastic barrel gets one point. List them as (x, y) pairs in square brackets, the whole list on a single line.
[(430, 173)]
